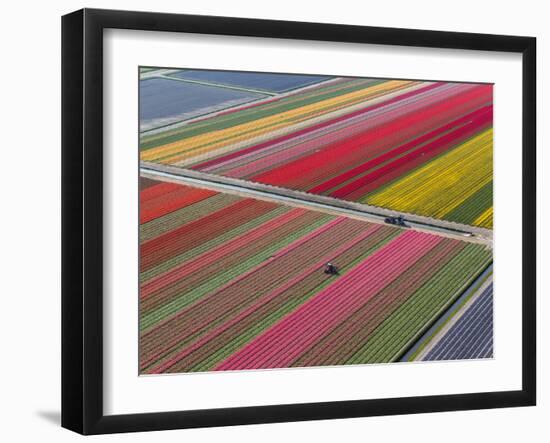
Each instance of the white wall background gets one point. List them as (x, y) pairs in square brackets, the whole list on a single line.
[(30, 221)]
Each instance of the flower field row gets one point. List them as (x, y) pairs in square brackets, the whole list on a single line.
[(471, 336), (441, 189), (235, 283), (358, 139)]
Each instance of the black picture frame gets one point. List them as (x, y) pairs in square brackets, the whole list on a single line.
[(82, 220)]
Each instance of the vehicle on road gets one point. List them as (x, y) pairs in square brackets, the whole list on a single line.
[(398, 221)]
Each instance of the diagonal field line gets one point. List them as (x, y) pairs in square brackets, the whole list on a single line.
[(321, 203)]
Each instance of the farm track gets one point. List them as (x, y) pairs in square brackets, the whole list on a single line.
[(326, 204)]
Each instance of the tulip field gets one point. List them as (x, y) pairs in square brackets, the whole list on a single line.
[(237, 272), (411, 146), (229, 282)]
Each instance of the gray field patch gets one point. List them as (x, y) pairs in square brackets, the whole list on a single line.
[(164, 101)]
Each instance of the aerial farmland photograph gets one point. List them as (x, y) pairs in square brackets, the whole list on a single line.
[(293, 220)]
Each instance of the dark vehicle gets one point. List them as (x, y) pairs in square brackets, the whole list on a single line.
[(398, 221), (330, 269)]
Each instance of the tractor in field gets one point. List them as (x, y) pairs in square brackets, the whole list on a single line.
[(330, 269)]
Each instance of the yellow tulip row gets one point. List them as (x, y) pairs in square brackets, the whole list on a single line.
[(443, 184), (485, 220)]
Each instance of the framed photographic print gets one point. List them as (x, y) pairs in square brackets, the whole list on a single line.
[(273, 221)]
